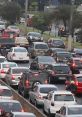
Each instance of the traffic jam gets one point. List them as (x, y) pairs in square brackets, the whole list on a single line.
[(43, 73)]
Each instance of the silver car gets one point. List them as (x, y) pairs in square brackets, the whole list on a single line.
[(22, 114)]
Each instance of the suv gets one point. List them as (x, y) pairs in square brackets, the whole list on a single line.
[(58, 71), (38, 48), (30, 79)]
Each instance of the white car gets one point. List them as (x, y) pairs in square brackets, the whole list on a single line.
[(18, 54), (13, 75), (13, 28), (4, 66), (11, 105), (5, 93), (39, 92), (70, 111), (22, 114), (56, 99)]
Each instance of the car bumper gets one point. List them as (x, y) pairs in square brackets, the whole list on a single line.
[(21, 59)]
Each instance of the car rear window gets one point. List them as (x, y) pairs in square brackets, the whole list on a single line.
[(5, 92), (41, 46), (63, 97), (79, 79), (20, 50), (46, 59), (19, 71), (47, 89), (62, 69), (10, 106), (9, 65), (75, 111)]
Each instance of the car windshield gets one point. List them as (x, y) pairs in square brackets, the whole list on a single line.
[(58, 42), (19, 71), (63, 97), (5, 92), (35, 34), (46, 59), (62, 69), (9, 65), (67, 55), (10, 106), (2, 60), (47, 89), (75, 111), (41, 46), (79, 79), (20, 50)]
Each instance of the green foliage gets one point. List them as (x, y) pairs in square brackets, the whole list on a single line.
[(11, 11), (42, 22)]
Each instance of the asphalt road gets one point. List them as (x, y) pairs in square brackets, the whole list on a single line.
[(60, 85)]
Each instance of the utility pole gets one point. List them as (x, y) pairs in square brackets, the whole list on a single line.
[(26, 11), (70, 39)]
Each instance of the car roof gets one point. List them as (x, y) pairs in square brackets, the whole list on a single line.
[(23, 113), (7, 62), (46, 85), (40, 43), (6, 100), (18, 47), (77, 58), (59, 64), (63, 52), (4, 87), (19, 68), (34, 32), (62, 92), (75, 106), (2, 57)]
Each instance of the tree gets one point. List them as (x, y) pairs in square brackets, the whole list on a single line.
[(42, 21), (11, 12)]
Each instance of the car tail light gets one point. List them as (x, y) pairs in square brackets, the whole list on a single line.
[(74, 65), (22, 110), (13, 54), (2, 71), (52, 103), (13, 77), (27, 83)]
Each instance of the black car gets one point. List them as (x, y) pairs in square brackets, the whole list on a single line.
[(30, 79), (58, 71), (63, 56), (34, 37), (57, 43)]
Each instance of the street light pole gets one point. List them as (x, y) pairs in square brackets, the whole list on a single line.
[(70, 26), (26, 11)]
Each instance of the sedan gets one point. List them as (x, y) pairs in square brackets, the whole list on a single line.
[(18, 54), (22, 114), (4, 68), (58, 71), (10, 105), (70, 111), (41, 62), (5, 93), (39, 92), (13, 75)]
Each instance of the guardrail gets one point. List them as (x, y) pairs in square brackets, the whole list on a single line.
[(27, 106)]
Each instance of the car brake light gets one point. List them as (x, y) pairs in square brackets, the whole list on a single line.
[(22, 110), (27, 83), (46, 82), (2, 71), (13, 77), (74, 65)]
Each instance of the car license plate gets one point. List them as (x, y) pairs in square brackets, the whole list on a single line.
[(62, 78)]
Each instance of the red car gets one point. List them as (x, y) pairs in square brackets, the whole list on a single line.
[(9, 34), (76, 82)]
